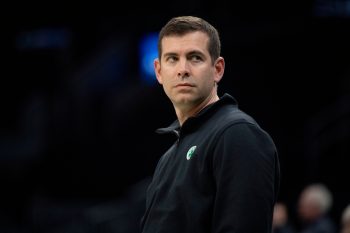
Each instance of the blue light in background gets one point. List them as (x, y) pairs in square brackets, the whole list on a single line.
[(148, 51)]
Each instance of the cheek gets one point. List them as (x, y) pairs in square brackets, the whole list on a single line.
[(208, 81), (166, 86)]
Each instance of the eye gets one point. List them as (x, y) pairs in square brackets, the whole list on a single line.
[(171, 59), (196, 58)]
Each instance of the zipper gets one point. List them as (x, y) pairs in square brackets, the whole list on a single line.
[(177, 133)]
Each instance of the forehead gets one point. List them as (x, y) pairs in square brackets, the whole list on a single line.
[(190, 41)]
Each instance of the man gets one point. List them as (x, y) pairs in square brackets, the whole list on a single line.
[(280, 219), (314, 204), (345, 220), (222, 173)]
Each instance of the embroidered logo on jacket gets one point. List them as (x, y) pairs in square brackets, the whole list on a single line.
[(190, 152)]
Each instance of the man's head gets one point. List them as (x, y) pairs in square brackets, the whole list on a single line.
[(314, 202), (345, 220), (189, 65), (280, 215), (181, 25)]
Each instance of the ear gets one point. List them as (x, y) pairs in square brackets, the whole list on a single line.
[(156, 64), (219, 69)]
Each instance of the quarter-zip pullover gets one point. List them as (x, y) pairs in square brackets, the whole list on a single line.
[(220, 175)]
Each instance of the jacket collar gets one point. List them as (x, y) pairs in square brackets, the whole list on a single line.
[(175, 127)]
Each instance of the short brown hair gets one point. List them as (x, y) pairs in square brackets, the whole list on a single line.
[(185, 24)]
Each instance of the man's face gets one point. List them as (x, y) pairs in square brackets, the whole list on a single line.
[(186, 70), (308, 209), (346, 227)]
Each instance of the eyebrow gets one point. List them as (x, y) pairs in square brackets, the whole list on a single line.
[(193, 52), (169, 54)]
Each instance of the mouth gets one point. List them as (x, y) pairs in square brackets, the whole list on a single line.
[(184, 85)]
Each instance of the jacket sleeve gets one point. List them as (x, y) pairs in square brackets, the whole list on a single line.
[(246, 173)]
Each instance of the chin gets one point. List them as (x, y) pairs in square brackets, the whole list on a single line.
[(183, 100)]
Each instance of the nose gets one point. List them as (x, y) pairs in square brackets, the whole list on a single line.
[(183, 69)]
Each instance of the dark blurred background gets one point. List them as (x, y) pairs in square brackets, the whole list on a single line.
[(77, 122)]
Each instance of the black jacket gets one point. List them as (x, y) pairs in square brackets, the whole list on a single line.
[(221, 175)]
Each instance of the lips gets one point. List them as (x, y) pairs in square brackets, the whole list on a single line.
[(184, 85)]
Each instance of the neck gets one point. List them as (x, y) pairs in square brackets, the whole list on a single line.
[(186, 112)]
